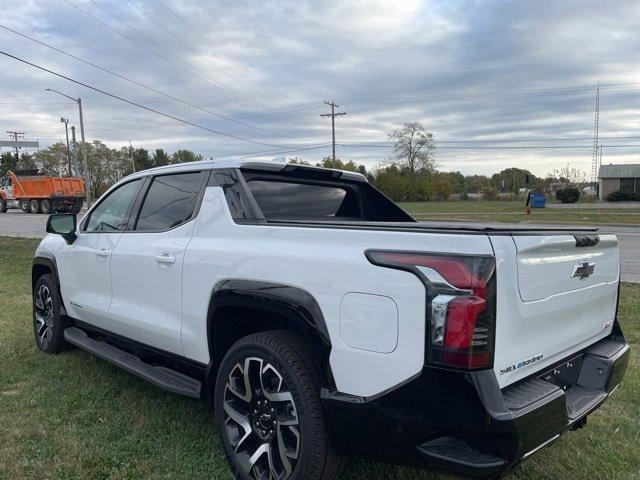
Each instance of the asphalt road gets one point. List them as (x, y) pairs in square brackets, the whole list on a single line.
[(15, 223)]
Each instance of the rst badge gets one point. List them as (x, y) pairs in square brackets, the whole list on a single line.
[(583, 270)]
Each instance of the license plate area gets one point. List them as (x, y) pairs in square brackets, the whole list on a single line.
[(565, 374)]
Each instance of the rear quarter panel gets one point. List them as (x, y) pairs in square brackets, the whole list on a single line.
[(326, 262)]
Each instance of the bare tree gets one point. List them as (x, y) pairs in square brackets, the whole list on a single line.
[(566, 174), (414, 148)]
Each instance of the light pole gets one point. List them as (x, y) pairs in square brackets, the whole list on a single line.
[(133, 163), (84, 148), (66, 132)]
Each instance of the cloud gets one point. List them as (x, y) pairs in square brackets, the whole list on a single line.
[(271, 64)]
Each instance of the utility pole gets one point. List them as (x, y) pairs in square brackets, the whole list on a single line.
[(15, 135), (83, 149), (133, 163), (333, 116), (594, 155), (74, 146), (66, 131)]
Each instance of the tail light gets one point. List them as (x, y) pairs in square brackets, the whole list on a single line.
[(460, 304)]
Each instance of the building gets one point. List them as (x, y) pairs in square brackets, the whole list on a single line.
[(612, 178)]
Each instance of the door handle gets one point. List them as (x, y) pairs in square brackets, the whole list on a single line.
[(166, 258), (102, 253)]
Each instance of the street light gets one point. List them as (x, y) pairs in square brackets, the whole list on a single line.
[(66, 132), (84, 148)]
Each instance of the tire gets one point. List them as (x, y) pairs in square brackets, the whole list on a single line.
[(286, 416), (34, 206), (24, 206), (45, 206), (3, 206), (48, 324)]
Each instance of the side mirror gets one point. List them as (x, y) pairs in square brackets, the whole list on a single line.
[(63, 224)]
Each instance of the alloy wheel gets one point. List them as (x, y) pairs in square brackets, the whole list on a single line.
[(44, 315), (261, 420)]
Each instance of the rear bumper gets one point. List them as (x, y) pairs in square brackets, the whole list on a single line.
[(463, 423)]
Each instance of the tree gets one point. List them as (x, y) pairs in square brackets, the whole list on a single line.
[(160, 158), (142, 159), (414, 148), (475, 183), (573, 176), (457, 181), (7, 162), (513, 179), (297, 161), (183, 156), (52, 160)]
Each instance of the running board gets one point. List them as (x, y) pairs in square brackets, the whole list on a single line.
[(162, 377)]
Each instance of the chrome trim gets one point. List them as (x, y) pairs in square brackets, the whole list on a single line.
[(543, 444)]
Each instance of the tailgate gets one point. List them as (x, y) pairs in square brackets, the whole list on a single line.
[(556, 295)]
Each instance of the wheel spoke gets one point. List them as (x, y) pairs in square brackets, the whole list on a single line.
[(241, 420), (237, 377), (247, 462), (282, 451)]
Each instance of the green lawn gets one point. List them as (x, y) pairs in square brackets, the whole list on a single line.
[(75, 417), (514, 211)]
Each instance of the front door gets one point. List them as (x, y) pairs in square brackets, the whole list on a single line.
[(84, 266)]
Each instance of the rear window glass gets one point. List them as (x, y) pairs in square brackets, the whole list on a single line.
[(290, 200)]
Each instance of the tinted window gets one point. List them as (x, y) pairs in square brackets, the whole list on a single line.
[(110, 214), (303, 200), (170, 201), (382, 209)]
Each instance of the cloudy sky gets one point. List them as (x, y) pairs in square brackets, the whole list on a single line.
[(491, 79)]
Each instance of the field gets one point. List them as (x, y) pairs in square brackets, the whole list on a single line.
[(75, 417), (514, 211)]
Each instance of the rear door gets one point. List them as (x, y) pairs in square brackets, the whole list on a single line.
[(555, 296), (146, 266), (84, 266)]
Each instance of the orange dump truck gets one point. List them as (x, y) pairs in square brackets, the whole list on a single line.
[(35, 193)]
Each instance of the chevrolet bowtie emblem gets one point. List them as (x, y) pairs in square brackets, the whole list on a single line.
[(583, 270)]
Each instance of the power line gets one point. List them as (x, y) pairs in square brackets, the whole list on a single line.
[(159, 24), (122, 77), (495, 94), (198, 74), (217, 132), (149, 39), (245, 68), (498, 147)]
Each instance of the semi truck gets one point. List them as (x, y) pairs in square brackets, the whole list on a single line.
[(34, 193)]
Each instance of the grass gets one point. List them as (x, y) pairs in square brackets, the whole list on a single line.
[(76, 417), (514, 211)]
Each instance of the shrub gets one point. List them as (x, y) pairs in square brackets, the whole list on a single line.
[(489, 193), (568, 195), (620, 196)]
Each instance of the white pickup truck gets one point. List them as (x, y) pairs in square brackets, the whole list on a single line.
[(323, 321)]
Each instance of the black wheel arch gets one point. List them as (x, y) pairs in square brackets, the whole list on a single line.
[(240, 307), (43, 264)]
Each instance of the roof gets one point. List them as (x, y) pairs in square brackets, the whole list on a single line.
[(619, 171), (274, 165)]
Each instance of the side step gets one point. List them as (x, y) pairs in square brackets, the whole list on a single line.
[(164, 378), (456, 456)]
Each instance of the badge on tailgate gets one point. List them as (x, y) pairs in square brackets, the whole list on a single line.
[(583, 270)]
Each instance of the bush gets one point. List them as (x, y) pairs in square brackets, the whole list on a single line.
[(619, 196), (568, 195), (489, 193)]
